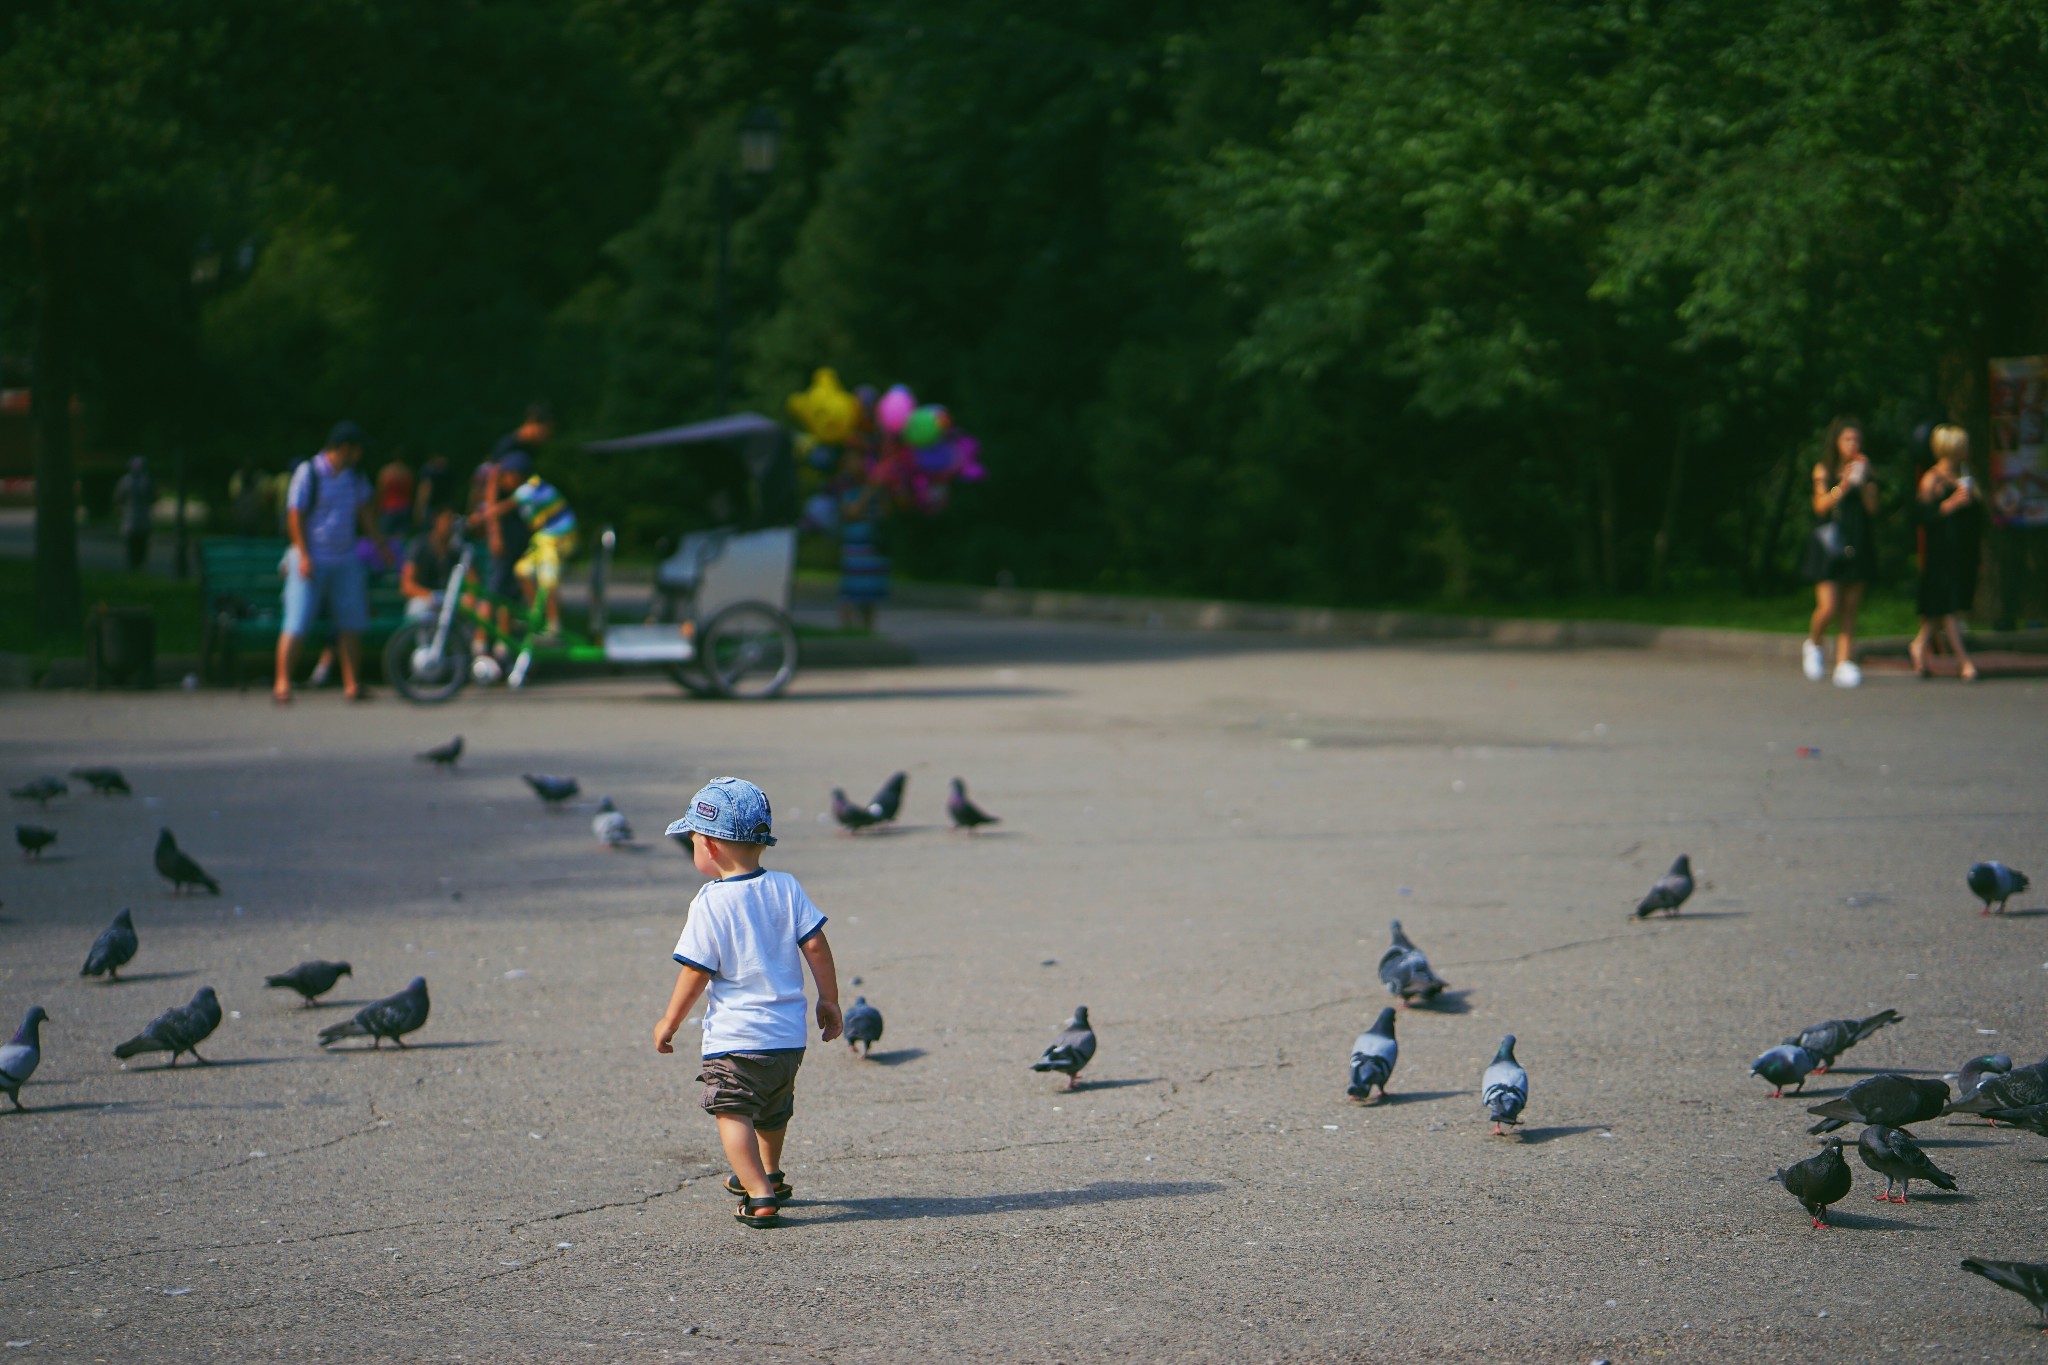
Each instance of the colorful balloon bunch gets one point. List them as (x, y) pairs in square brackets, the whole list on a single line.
[(911, 452)]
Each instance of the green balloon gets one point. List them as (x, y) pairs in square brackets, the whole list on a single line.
[(926, 426)]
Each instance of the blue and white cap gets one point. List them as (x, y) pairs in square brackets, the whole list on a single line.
[(729, 808)]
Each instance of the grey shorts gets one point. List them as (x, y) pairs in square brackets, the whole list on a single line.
[(753, 1085)]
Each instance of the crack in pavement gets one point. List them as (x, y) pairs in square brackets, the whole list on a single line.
[(93, 1261), (1553, 948), (647, 1198), (375, 1125)]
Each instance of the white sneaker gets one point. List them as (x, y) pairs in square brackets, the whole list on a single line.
[(1810, 661), (1848, 675)]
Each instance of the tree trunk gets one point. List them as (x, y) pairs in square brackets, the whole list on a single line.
[(1767, 577), (1660, 549), (59, 609), (1603, 475)]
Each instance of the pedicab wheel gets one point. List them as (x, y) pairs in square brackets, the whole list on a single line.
[(748, 651), (419, 679), (693, 679)]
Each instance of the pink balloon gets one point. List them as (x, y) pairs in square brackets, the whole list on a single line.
[(895, 408)]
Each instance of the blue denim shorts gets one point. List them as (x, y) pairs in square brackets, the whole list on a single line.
[(342, 584)]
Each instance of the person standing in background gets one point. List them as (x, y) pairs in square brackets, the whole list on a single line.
[(394, 499), (249, 496), (433, 490), (327, 500), (1841, 553), (1947, 510), (134, 496)]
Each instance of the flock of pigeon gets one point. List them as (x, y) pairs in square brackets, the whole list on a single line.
[(1989, 1087)]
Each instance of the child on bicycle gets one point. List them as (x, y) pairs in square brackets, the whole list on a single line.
[(551, 523)]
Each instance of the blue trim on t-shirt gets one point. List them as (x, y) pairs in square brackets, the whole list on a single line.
[(743, 877), (754, 1052), (816, 929), (698, 965)]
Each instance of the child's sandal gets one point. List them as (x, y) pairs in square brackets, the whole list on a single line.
[(759, 1212), (739, 1191)]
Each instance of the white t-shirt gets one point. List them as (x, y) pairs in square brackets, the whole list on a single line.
[(744, 931)]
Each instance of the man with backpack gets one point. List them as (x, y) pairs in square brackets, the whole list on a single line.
[(328, 504)]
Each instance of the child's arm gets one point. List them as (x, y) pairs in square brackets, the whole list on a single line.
[(818, 953), (690, 984)]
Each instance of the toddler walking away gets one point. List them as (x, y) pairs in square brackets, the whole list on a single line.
[(749, 933)]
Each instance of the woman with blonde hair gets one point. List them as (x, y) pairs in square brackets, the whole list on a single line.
[(1840, 555), (1946, 509)]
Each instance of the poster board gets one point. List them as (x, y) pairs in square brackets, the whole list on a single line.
[(2019, 441)]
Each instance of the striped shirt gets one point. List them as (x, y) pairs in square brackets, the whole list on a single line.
[(546, 511)]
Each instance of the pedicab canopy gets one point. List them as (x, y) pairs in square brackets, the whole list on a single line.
[(764, 451)]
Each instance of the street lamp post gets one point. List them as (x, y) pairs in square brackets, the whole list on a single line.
[(760, 135)]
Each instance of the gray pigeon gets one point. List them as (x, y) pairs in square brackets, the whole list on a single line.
[(1978, 1070), (392, 1017), (176, 867), (2019, 1088), (103, 781), (1504, 1087), (552, 791), (1995, 883), (1372, 1058), (18, 1060), (1406, 971), (1672, 890), (310, 979), (443, 756), (1071, 1050), (179, 1029), (889, 799), (1894, 1155), (34, 839), (2028, 1279), (610, 826), (42, 791), (854, 818), (2032, 1117), (863, 1025), (1889, 1099), (1785, 1065), (1818, 1181), (966, 815), (1831, 1039), (112, 949)]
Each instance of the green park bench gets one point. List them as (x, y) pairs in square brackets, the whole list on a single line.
[(241, 596)]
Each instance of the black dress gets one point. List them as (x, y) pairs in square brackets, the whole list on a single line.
[(1948, 570), (1856, 560)]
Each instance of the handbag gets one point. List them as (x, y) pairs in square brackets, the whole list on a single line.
[(1825, 552)]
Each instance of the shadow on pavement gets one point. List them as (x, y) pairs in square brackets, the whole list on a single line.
[(408, 1047), (975, 1205), (1863, 1220), (1416, 1097), (895, 1056), (1113, 1085), (1450, 1002), (153, 976), (1542, 1135)]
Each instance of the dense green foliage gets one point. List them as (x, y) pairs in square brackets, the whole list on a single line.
[(1424, 299)]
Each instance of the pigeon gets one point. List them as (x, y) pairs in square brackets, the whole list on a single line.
[(1406, 971), (610, 826), (1889, 1099), (103, 781), (24, 1050), (42, 791), (1818, 1181), (863, 1025), (177, 866), (392, 1017), (889, 799), (2020, 1088), (34, 839), (1071, 1050), (1830, 1040), (112, 949), (552, 791), (1373, 1057), (1978, 1070), (310, 979), (966, 815), (445, 756), (2028, 1279), (1504, 1088), (179, 1029), (1672, 890), (854, 817), (1895, 1156), (1783, 1066), (1989, 882)]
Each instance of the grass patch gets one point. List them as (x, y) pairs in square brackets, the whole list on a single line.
[(175, 603)]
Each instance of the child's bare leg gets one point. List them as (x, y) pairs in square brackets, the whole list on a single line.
[(771, 1147), (743, 1150)]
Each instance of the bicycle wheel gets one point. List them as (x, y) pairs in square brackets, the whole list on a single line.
[(748, 651), (418, 679)]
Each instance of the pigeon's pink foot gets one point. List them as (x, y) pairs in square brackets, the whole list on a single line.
[(1820, 1222), (1779, 1093), (1885, 1198)]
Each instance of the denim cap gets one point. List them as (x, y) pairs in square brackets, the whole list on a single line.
[(729, 808)]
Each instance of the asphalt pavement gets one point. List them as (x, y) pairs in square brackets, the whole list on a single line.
[(1204, 837)]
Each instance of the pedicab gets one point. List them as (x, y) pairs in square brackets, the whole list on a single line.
[(719, 620)]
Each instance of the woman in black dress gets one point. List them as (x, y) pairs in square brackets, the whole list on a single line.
[(1841, 556), (1947, 513)]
